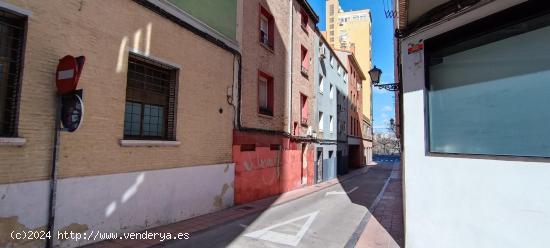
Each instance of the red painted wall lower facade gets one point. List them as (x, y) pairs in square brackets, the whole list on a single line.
[(269, 164)]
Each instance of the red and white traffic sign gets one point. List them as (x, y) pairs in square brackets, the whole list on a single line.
[(68, 73)]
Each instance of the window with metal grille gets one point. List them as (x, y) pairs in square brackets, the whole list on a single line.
[(12, 34), (151, 100)]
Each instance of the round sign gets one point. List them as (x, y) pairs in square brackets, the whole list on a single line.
[(72, 112), (66, 75)]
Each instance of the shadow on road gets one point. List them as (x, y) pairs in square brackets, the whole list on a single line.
[(382, 196)]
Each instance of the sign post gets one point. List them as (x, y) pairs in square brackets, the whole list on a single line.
[(69, 112)]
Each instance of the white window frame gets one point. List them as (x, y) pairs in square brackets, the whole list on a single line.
[(321, 120)]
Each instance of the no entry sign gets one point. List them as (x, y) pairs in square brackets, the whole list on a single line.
[(68, 73)]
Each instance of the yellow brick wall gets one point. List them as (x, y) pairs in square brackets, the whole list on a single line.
[(96, 29)]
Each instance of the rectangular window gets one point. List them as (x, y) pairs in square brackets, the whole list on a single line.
[(267, 28), (331, 91), (305, 61), (332, 60), (321, 84), (151, 91), (331, 123), (489, 94), (265, 94), (321, 121), (12, 34), (304, 110)]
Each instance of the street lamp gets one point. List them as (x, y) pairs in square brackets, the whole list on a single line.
[(375, 79)]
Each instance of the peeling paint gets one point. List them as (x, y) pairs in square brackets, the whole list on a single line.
[(11, 224), (75, 228), (218, 200)]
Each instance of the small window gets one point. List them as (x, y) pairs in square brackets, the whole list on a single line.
[(331, 123), (267, 27), (265, 94), (150, 111), (304, 109), (332, 60), (321, 121), (331, 92), (248, 147), (321, 83), (305, 61), (12, 30)]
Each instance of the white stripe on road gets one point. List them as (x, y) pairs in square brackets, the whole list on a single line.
[(341, 193), (283, 238)]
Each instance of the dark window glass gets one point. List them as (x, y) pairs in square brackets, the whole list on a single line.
[(12, 30), (150, 99)]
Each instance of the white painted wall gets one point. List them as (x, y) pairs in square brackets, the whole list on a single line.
[(126, 202), (466, 202)]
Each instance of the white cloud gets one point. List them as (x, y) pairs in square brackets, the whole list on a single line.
[(387, 108)]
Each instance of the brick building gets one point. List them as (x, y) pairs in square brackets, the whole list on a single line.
[(155, 144), (356, 135), (272, 150)]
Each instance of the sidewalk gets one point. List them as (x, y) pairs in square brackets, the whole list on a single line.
[(209, 220), (385, 227)]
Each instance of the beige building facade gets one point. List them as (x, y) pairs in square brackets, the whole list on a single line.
[(107, 168)]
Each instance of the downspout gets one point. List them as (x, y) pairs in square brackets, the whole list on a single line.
[(289, 66), (53, 175)]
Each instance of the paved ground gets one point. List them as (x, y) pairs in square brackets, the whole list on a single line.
[(385, 227), (327, 218), (330, 214)]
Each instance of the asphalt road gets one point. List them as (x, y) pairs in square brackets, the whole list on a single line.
[(327, 218)]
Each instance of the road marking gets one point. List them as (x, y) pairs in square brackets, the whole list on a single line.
[(283, 238), (340, 192)]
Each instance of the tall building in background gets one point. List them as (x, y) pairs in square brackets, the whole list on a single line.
[(352, 31)]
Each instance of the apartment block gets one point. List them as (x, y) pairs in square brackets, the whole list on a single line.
[(352, 31), (356, 144), (272, 142), (155, 144), (331, 105)]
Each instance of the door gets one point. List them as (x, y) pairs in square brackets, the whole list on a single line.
[(319, 165)]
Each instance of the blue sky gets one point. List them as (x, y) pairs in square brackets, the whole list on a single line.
[(382, 50)]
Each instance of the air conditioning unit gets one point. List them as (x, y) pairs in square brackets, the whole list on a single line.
[(309, 131)]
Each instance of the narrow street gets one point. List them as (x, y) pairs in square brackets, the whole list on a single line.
[(332, 217)]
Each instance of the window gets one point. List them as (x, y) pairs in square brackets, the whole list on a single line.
[(321, 84), (305, 62), (321, 121), (331, 91), (151, 91), (332, 60), (304, 19), (304, 110), (331, 123), (489, 94), (12, 30), (340, 70), (267, 27), (265, 94)]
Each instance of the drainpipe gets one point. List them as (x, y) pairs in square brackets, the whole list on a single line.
[(289, 66), (53, 176)]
